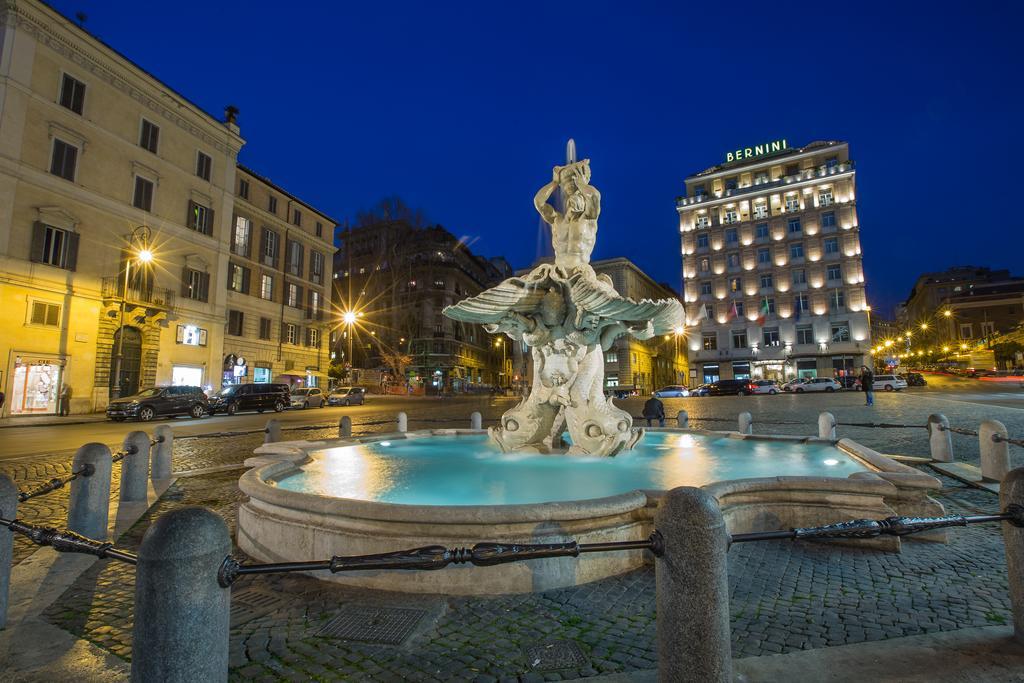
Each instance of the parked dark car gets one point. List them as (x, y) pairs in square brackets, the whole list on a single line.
[(915, 379), (258, 397), (347, 396), (731, 387), (701, 390), (849, 382), (150, 403)]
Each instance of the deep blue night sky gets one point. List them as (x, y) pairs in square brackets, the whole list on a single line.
[(461, 109)]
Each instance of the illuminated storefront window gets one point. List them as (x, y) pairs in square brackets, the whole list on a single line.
[(35, 385)]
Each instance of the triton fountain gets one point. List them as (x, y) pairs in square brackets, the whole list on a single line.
[(569, 316), (384, 492)]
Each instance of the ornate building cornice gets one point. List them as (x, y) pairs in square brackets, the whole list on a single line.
[(16, 14)]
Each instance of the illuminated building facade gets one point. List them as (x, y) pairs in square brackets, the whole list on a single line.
[(397, 277), (117, 227), (641, 365), (279, 275), (772, 269)]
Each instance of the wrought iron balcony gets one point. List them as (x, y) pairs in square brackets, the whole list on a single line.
[(155, 297)]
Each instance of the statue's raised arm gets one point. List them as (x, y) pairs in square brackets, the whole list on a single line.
[(540, 200)]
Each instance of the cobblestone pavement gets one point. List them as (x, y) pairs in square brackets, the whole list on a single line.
[(784, 597)]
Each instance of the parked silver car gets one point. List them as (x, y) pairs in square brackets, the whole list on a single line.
[(310, 397)]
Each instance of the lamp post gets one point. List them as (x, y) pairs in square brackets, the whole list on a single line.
[(500, 341), (144, 255), (349, 318), (679, 331)]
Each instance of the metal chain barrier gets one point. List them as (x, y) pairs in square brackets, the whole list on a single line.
[(1013, 442), (122, 454), (958, 430), (890, 526), (438, 557), (65, 541), (87, 470)]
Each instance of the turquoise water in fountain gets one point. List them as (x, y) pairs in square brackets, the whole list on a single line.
[(466, 470)]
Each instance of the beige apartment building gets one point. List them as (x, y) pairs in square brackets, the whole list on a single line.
[(279, 287), (772, 266), (117, 216), (641, 365)]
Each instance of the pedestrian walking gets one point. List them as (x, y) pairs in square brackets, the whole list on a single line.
[(867, 385), (654, 409), (64, 400)]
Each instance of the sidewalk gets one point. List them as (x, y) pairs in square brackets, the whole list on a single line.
[(50, 420)]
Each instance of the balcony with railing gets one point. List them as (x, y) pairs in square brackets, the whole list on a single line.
[(113, 288), (782, 181)]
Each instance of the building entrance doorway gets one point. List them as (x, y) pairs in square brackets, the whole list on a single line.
[(131, 360)]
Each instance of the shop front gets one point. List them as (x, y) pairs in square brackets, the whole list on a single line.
[(187, 375), (34, 385), (236, 370)]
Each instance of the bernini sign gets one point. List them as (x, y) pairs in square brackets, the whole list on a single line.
[(756, 150)]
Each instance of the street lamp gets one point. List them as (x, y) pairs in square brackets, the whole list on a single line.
[(144, 256), (349, 318), (500, 341)]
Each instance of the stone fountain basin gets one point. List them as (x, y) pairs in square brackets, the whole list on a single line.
[(280, 525)]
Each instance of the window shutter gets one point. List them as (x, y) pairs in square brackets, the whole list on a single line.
[(204, 284), (190, 217), (263, 246), (299, 273), (38, 242), (208, 229), (71, 256), (298, 297), (184, 289), (245, 280), (234, 228)]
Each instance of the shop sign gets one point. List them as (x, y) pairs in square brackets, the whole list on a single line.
[(191, 335)]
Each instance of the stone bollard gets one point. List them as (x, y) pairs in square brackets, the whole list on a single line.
[(1011, 492), (476, 420), (89, 501), (181, 612), (827, 426), (995, 455), (746, 425), (345, 427), (403, 422), (692, 589), (163, 453), (683, 419), (8, 510), (273, 432), (135, 467), (940, 439)]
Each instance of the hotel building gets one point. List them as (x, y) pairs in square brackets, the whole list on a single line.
[(771, 262), (118, 230)]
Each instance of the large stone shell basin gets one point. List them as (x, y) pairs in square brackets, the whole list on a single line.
[(281, 525)]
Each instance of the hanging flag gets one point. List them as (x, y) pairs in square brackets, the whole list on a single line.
[(733, 314), (764, 312), (799, 309)]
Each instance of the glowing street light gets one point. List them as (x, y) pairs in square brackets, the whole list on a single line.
[(144, 256), (948, 313), (924, 326)]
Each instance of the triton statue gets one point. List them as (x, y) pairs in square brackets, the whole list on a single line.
[(569, 316)]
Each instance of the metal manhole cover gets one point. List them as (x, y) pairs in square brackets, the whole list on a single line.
[(554, 655), (383, 625), (250, 603)]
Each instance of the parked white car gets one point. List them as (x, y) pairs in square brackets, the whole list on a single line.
[(889, 383), (766, 386), (308, 398), (819, 384), (792, 384), (674, 391)]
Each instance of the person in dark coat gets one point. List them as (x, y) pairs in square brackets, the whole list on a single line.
[(654, 409), (867, 385)]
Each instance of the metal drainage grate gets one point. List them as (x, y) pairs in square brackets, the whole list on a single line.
[(554, 655), (383, 625), (250, 603)]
